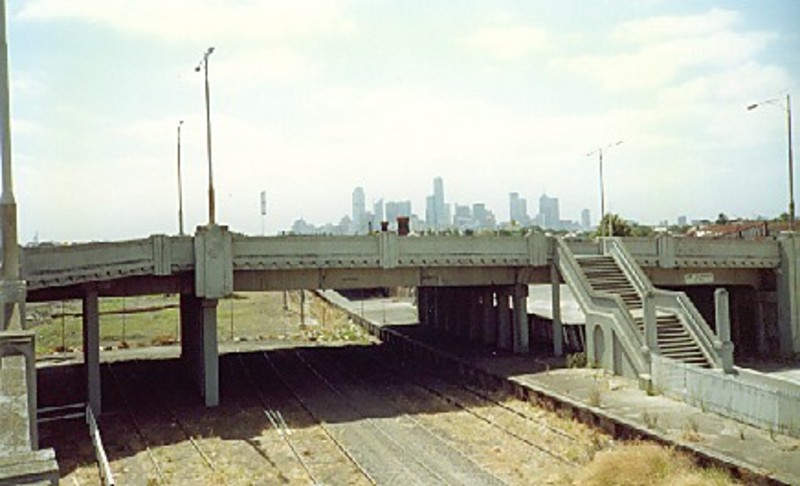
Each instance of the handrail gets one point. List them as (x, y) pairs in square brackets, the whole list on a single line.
[(696, 325), (102, 460), (676, 302), (608, 306), (629, 266)]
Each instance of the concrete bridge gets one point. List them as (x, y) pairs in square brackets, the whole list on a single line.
[(474, 286)]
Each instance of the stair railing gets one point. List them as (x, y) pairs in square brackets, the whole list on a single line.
[(608, 307), (667, 300)]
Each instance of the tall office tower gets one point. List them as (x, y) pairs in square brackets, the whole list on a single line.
[(430, 212), (548, 209), (518, 209), (442, 212), (586, 219), (377, 211), (359, 215), (395, 209)]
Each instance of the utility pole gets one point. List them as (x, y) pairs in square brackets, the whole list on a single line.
[(11, 316), (211, 205), (180, 184)]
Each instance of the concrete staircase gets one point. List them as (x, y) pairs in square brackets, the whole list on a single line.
[(674, 341)]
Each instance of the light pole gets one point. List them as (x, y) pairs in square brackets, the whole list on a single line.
[(602, 188), (180, 184), (211, 208), (11, 312), (788, 108)]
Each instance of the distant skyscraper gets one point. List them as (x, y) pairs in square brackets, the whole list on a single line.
[(377, 212), (359, 216), (395, 209), (437, 213), (518, 209), (586, 219), (682, 221), (548, 209)]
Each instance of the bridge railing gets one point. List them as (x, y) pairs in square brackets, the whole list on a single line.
[(46, 266), (675, 302)]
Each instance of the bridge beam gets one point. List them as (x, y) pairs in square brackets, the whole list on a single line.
[(91, 349)]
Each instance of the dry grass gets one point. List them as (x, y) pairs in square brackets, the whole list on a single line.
[(647, 464)]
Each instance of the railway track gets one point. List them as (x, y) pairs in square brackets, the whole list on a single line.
[(528, 424), (347, 415)]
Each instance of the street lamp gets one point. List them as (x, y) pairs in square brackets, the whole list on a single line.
[(788, 108), (180, 184), (602, 187), (211, 209)]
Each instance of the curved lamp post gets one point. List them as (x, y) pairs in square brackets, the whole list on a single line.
[(211, 208), (788, 108), (602, 187)]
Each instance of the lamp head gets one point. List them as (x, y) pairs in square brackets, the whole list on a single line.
[(752, 107)]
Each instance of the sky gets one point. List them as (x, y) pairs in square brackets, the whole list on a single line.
[(310, 99)]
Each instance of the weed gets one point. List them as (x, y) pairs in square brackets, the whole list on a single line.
[(594, 397), (650, 420), (576, 360), (741, 432)]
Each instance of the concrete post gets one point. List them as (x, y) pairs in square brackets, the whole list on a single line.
[(422, 306), (210, 353), (199, 345), (488, 317), (91, 350), (558, 333), (521, 331), (723, 342), (475, 315), (503, 319), (650, 322)]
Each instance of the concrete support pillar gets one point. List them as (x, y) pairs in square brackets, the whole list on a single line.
[(723, 343), (558, 334), (503, 319), (422, 306), (762, 344), (475, 315), (210, 370), (91, 350), (488, 317), (521, 325), (199, 345)]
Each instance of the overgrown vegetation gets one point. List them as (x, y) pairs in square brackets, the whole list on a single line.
[(647, 464)]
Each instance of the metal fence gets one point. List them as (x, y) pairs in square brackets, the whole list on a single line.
[(745, 395)]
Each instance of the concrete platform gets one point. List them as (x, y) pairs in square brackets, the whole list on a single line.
[(611, 402)]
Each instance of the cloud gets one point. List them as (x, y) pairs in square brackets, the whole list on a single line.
[(196, 21), (666, 48), (673, 26), (508, 43)]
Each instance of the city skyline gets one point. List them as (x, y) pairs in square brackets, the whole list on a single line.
[(473, 215), (310, 99)]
